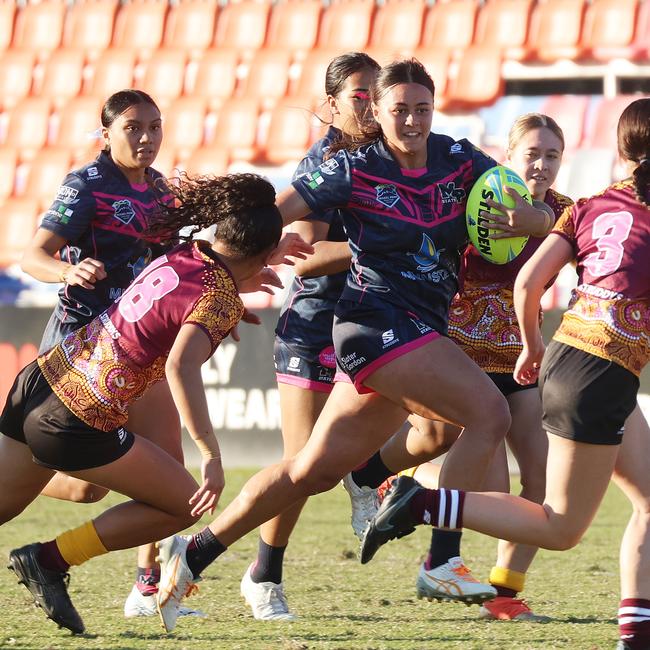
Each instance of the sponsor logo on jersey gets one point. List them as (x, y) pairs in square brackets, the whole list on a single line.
[(388, 338), (62, 214), (450, 193), (456, 148), (427, 257), (67, 195), (92, 173), (387, 194), (123, 211), (294, 364), (108, 326), (423, 328), (327, 357), (329, 166), (121, 434), (351, 361), (315, 179)]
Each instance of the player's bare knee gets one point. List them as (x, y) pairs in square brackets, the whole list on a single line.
[(87, 493)]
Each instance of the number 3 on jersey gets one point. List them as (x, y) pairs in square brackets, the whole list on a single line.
[(609, 231), (155, 282)]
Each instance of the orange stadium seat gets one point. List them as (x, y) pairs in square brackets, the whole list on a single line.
[(16, 68), (436, 61), (290, 134), (397, 26), (77, 125), (8, 162), (638, 49), (608, 24), (112, 71), (139, 25), (89, 26), (268, 76), (556, 29), (62, 76), (190, 25), (504, 24), (294, 25), (345, 25), (45, 174), (215, 77), (450, 25), (242, 26), (207, 160), (39, 26), (164, 75), (165, 161), (7, 13), (310, 86), (183, 125), (236, 130), (28, 126), (601, 132), (17, 226), (569, 111), (478, 81)]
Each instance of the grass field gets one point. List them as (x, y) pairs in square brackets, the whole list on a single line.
[(342, 605)]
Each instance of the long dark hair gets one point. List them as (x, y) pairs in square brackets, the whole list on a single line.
[(344, 65), (397, 72), (242, 206), (633, 134), (119, 102)]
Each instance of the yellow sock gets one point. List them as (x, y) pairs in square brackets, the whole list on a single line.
[(408, 472), (500, 577), (80, 544)]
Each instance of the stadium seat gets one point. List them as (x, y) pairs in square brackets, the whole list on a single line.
[(183, 125), (397, 26), (345, 25), (207, 160), (45, 174), (190, 26), (112, 71), (268, 76), (7, 13), (450, 25), (139, 25), (215, 77), (16, 68), (164, 75), (236, 130), (77, 127), (17, 226), (555, 30), (478, 81), (608, 24), (28, 126), (165, 161), (39, 27), (504, 24), (639, 47), (309, 88), (436, 61), (289, 134), (242, 26), (89, 26), (601, 130), (569, 111), (62, 76), (294, 25), (8, 162)]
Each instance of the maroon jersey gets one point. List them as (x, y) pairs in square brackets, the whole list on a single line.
[(98, 370), (609, 312), (482, 317)]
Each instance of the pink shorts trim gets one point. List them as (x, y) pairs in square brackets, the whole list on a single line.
[(342, 377), (307, 384)]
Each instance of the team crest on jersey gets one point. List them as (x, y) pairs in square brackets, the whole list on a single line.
[(123, 211), (67, 195), (329, 166), (428, 256), (387, 195), (450, 193)]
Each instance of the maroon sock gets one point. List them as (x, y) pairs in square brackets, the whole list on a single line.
[(505, 592), (424, 505), (634, 622), (442, 508), (49, 557), (147, 580)]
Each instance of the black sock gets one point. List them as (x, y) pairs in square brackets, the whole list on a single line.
[(444, 544), (504, 591), (268, 567), (204, 549), (373, 473)]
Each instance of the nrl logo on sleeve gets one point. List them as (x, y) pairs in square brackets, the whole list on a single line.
[(450, 193), (123, 211), (387, 195), (67, 195)]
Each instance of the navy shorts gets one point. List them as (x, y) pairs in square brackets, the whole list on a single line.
[(311, 368), (366, 339), (57, 438), (585, 398)]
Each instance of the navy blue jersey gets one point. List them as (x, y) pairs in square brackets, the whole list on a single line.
[(308, 311), (103, 216), (406, 228)]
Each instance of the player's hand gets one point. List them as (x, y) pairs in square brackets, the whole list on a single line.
[(205, 499), (291, 245), (528, 363), (85, 274), (265, 281), (248, 317), (520, 220)]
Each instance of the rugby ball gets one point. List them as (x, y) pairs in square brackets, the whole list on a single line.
[(490, 186)]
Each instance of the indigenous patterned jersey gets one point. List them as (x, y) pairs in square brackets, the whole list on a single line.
[(99, 369), (609, 312), (406, 228), (308, 309), (103, 216), (482, 317)]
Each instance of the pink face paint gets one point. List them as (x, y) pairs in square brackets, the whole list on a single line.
[(361, 95)]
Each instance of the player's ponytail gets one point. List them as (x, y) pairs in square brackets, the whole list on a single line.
[(633, 135)]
